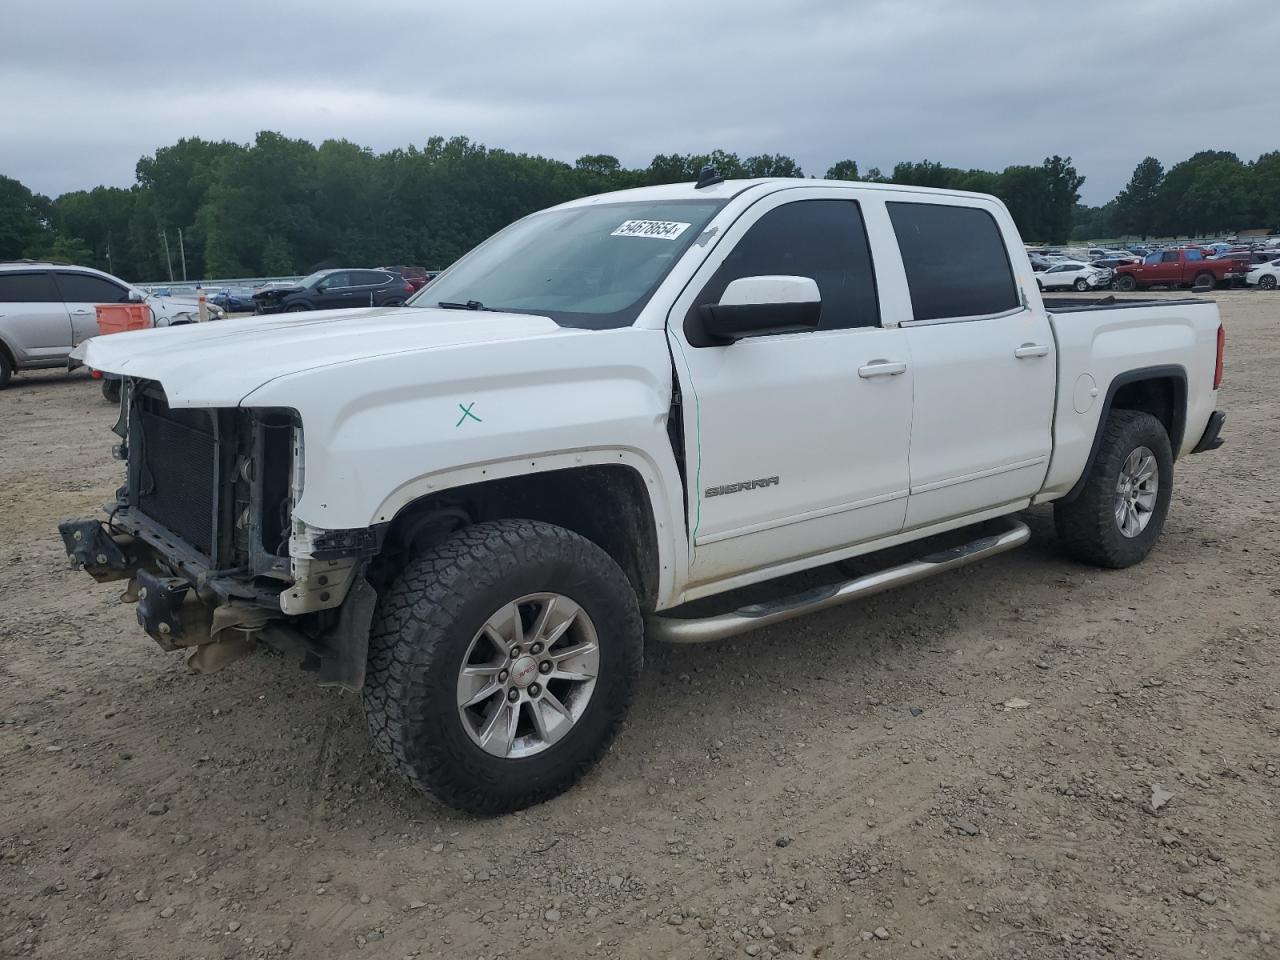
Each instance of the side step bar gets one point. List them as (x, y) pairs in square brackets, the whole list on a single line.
[(757, 615)]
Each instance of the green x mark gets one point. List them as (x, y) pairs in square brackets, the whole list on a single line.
[(466, 412)]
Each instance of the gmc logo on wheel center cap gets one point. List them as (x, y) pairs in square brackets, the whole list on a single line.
[(523, 671)]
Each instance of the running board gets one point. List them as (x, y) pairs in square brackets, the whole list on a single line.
[(757, 615)]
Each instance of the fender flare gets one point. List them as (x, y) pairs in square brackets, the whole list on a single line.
[(667, 514), (1173, 371)]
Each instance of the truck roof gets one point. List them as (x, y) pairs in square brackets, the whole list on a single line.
[(727, 189)]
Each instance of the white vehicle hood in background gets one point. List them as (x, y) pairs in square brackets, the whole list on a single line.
[(218, 364)]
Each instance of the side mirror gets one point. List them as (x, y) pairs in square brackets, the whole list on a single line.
[(757, 306), (136, 296)]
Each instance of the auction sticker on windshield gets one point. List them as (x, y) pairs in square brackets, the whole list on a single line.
[(658, 229)]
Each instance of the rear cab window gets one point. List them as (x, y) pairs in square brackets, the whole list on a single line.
[(955, 259)]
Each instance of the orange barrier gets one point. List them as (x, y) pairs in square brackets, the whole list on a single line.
[(118, 317)]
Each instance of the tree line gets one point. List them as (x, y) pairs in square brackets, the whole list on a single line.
[(1210, 192), (282, 206)]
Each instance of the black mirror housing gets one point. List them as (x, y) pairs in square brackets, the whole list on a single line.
[(719, 324)]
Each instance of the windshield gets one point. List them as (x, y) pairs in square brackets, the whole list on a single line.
[(593, 266)]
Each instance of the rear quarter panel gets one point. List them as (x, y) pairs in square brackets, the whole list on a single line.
[(1097, 346)]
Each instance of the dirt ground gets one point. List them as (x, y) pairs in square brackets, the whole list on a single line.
[(846, 785)]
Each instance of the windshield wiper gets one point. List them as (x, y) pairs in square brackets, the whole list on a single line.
[(469, 305)]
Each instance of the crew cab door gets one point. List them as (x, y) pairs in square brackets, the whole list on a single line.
[(1169, 270), (796, 442), (984, 362)]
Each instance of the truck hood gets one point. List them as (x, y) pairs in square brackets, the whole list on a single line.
[(218, 364)]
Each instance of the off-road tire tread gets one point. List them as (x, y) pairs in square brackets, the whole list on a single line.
[(407, 643), (1086, 526)]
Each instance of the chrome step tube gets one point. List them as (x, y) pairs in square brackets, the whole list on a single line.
[(757, 615)]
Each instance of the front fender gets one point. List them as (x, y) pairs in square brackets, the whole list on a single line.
[(382, 432)]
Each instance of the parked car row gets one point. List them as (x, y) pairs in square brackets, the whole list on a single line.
[(322, 290), (1138, 267)]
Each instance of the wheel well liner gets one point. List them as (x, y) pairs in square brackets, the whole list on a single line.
[(607, 503), (1160, 391)]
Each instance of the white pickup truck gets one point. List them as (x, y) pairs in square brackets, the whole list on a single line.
[(475, 508)]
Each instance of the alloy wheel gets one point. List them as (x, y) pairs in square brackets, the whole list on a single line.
[(528, 675), (1136, 490)]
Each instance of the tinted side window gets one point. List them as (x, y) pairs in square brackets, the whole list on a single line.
[(27, 288), (1170, 256), (368, 278), (86, 288), (955, 259), (824, 240), (335, 280), (1194, 255)]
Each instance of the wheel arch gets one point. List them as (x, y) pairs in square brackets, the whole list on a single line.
[(1160, 391), (608, 503)]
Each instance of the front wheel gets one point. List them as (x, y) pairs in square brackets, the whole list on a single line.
[(1267, 282), (501, 664), (1082, 285), (297, 308), (1120, 512), (1127, 284), (111, 390)]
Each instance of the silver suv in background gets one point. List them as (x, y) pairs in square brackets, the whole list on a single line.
[(47, 309)]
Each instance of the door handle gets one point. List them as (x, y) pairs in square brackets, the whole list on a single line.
[(79, 311), (1031, 350), (882, 368)]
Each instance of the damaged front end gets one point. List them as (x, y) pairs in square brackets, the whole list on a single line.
[(203, 530)]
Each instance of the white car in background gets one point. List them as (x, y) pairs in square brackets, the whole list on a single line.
[(1264, 276), (46, 309), (1074, 275)]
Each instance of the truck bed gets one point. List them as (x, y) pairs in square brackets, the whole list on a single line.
[(1111, 302), (1102, 340)]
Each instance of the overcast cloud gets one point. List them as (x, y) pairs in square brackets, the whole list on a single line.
[(87, 87)]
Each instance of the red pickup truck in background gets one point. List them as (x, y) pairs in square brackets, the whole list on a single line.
[(1175, 268)]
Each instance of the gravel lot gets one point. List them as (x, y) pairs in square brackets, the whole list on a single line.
[(847, 785)]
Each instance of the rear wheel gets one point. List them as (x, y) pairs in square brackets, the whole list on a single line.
[(111, 390), (6, 369), (501, 664), (1126, 283), (1120, 512)]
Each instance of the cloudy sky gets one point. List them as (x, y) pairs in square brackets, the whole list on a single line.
[(89, 86)]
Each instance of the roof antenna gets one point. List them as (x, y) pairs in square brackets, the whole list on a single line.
[(709, 177)]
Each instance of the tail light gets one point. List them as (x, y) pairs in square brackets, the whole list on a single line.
[(1217, 370), (408, 287)]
